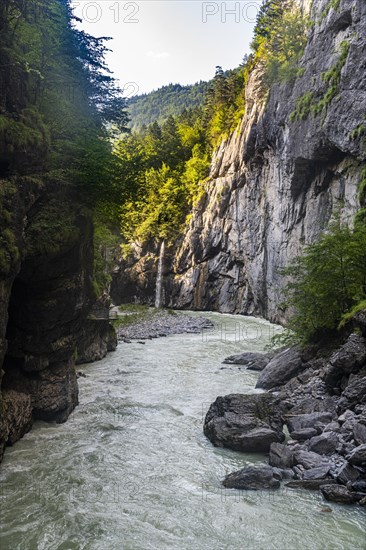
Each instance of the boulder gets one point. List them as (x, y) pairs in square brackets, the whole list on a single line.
[(347, 474), (351, 355), (311, 420), (308, 460), (283, 473), (320, 472), (324, 444), (304, 434), (340, 493), (252, 478), (281, 456), (358, 485), (332, 427), (281, 369), (355, 392), (359, 433), (247, 423), (310, 484), (253, 361), (358, 456)]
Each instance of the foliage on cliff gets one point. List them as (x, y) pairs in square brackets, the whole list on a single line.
[(279, 40), (161, 169), (56, 95), (327, 282)]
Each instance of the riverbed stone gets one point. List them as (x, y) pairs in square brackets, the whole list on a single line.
[(252, 478), (312, 420), (281, 456), (304, 434), (351, 355), (358, 485), (359, 433), (355, 392), (358, 456), (253, 361), (247, 423), (347, 473), (320, 472), (281, 369), (340, 494), (310, 484), (324, 444), (308, 459)]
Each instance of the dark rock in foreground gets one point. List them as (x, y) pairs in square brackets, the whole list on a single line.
[(245, 423), (252, 478), (324, 407)]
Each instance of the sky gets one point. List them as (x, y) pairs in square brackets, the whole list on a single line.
[(169, 41)]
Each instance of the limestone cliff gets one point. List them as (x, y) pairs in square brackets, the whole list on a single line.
[(48, 274), (275, 183)]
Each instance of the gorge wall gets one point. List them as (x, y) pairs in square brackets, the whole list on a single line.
[(274, 184), (47, 292)]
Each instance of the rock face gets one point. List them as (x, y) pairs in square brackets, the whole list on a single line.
[(97, 336), (46, 295), (274, 184), (245, 423)]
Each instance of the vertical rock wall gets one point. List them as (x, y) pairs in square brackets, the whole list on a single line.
[(275, 184)]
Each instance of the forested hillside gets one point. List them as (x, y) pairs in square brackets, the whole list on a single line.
[(167, 101)]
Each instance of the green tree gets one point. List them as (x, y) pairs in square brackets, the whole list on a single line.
[(326, 282)]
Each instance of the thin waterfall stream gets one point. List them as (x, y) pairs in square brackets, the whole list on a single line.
[(159, 277), (132, 469)]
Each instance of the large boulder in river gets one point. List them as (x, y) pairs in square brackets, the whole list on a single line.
[(253, 361), (247, 423), (252, 478), (281, 369)]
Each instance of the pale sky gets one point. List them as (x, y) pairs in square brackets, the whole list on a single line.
[(179, 41)]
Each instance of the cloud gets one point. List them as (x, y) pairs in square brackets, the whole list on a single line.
[(156, 55)]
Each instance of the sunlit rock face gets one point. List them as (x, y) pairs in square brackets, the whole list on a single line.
[(274, 184)]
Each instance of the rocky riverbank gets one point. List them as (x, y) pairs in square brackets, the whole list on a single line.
[(159, 323), (320, 398)]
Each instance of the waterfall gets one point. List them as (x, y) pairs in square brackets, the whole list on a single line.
[(159, 277)]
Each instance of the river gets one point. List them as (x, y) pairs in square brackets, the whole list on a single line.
[(132, 470)]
